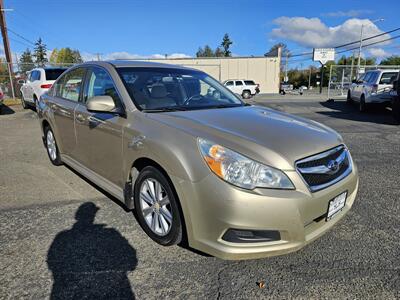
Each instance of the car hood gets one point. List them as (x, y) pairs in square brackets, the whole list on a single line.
[(271, 137)]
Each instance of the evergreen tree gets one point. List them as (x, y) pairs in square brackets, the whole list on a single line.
[(26, 61), (226, 43), (40, 53)]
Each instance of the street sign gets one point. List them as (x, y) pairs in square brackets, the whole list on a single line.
[(323, 55)]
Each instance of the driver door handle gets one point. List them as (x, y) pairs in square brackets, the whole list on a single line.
[(80, 118)]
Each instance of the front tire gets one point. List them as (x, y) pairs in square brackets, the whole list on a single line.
[(363, 106), (51, 147), (23, 103), (157, 208), (349, 100)]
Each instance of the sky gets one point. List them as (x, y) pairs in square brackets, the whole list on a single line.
[(153, 28)]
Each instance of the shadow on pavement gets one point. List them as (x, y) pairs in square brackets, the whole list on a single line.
[(91, 261), (342, 110), (6, 110)]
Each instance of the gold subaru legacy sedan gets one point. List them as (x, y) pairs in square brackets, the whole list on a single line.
[(195, 162)]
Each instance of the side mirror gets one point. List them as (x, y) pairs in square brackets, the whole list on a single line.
[(21, 81), (100, 104)]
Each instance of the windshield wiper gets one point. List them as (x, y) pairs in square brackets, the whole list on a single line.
[(165, 109)]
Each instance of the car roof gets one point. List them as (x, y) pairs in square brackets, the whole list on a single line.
[(382, 70), (144, 64)]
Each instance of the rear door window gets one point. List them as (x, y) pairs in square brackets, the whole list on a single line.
[(238, 83), (53, 74)]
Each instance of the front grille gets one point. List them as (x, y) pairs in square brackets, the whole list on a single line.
[(324, 169)]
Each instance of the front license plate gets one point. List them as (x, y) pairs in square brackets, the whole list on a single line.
[(336, 205)]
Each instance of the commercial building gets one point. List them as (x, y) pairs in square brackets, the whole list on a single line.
[(263, 70)]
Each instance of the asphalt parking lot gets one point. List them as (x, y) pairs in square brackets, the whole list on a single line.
[(60, 236)]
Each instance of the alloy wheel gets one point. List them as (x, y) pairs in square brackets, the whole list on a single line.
[(51, 145), (156, 207)]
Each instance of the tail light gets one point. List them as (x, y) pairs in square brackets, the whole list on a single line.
[(374, 88), (46, 86)]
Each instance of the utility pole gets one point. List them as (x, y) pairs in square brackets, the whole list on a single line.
[(352, 65), (322, 78), (286, 67), (98, 56), (309, 79), (359, 51), (361, 40), (6, 43)]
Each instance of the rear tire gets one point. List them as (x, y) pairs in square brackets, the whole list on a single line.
[(363, 106), (51, 147), (246, 94), (157, 207)]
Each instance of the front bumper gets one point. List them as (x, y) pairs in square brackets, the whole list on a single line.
[(212, 206)]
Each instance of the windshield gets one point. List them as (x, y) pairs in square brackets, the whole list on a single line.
[(162, 89)]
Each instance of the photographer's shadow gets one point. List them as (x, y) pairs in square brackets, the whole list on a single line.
[(90, 261)]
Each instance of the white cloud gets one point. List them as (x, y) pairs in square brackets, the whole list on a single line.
[(378, 52), (312, 32), (348, 13), (126, 55)]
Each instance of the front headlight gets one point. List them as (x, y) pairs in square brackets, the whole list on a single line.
[(240, 170)]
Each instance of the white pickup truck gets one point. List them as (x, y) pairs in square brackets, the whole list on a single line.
[(245, 88)]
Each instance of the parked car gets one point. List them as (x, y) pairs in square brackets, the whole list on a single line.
[(372, 87), (284, 87), (396, 99), (194, 161), (37, 83), (245, 88)]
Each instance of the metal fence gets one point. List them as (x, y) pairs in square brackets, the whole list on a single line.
[(342, 76), (13, 76)]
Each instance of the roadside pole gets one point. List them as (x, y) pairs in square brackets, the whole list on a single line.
[(6, 44), (309, 79), (341, 93), (329, 83), (322, 77)]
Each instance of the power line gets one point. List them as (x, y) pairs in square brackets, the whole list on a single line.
[(371, 44), (20, 42), (351, 43), (369, 38), (20, 36)]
